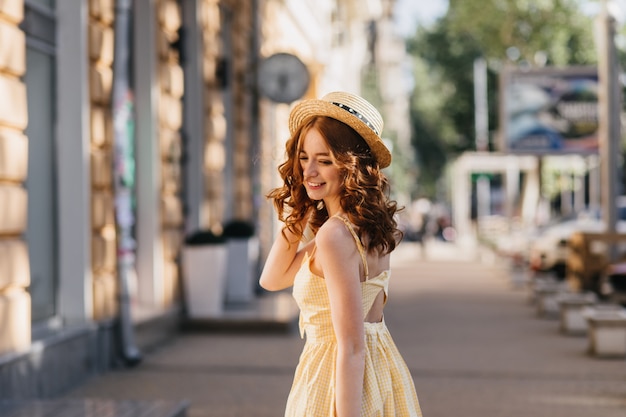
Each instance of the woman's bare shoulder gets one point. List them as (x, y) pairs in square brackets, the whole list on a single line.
[(333, 235)]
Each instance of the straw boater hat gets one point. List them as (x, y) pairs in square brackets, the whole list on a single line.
[(350, 109)]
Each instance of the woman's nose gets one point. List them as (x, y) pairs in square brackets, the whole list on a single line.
[(310, 170)]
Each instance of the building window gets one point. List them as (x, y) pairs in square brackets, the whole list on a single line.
[(39, 25)]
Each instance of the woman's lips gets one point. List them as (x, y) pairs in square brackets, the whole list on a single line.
[(314, 185)]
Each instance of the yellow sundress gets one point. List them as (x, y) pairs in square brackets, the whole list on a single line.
[(388, 388)]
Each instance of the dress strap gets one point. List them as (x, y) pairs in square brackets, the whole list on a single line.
[(359, 245)]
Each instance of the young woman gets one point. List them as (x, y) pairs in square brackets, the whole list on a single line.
[(334, 189)]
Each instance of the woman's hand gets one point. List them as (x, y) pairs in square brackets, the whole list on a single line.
[(285, 258)]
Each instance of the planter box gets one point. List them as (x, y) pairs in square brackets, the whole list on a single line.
[(204, 277), (607, 332), (546, 294), (571, 308), (537, 280), (243, 254)]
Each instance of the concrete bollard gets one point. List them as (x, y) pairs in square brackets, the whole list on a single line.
[(546, 294), (537, 280), (607, 331), (571, 307)]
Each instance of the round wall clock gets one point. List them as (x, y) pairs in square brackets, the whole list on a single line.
[(283, 78)]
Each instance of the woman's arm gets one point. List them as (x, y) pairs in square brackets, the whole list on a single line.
[(283, 261), (340, 261)]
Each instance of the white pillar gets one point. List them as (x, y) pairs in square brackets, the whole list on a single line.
[(579, 192), (531, 196), (512, 172), (73, 162), (461, 189), (149, 245)]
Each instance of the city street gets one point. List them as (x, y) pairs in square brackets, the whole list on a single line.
[(473, 343)]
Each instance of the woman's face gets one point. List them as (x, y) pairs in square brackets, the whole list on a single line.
[(322, 178)]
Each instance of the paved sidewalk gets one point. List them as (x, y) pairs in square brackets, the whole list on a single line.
[(474, 346)]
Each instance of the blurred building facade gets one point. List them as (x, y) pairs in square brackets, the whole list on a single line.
[(88, 193)]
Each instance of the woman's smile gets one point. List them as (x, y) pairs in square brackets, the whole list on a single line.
[(315, 185), (322, 178)]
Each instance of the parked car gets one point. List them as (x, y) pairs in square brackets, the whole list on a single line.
[(549, 250)]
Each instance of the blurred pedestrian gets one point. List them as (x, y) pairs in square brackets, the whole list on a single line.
[(333, 187), (420, 210)]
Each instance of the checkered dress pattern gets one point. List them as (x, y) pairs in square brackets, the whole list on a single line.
[(388, 389)]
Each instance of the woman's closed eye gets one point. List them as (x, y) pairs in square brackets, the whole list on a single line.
[(304, 158)]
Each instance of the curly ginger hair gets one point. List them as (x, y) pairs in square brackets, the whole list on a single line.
[(365, 195)]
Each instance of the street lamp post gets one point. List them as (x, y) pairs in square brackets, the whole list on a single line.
[(609, 109)]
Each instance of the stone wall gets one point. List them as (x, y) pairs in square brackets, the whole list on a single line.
[(214, 115), (103, 228), (171, 89), (242, 34), (15, 304)]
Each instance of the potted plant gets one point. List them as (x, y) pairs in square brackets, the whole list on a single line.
[(243, 253), (204, 274)]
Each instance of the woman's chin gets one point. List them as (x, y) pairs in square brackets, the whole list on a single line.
[(314, 195)]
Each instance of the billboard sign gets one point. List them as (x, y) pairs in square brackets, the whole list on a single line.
[(549, 110)]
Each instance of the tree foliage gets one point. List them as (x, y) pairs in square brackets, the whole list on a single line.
[(554, 29), (504, 32)]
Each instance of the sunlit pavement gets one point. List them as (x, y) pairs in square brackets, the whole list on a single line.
[(474, 345)]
